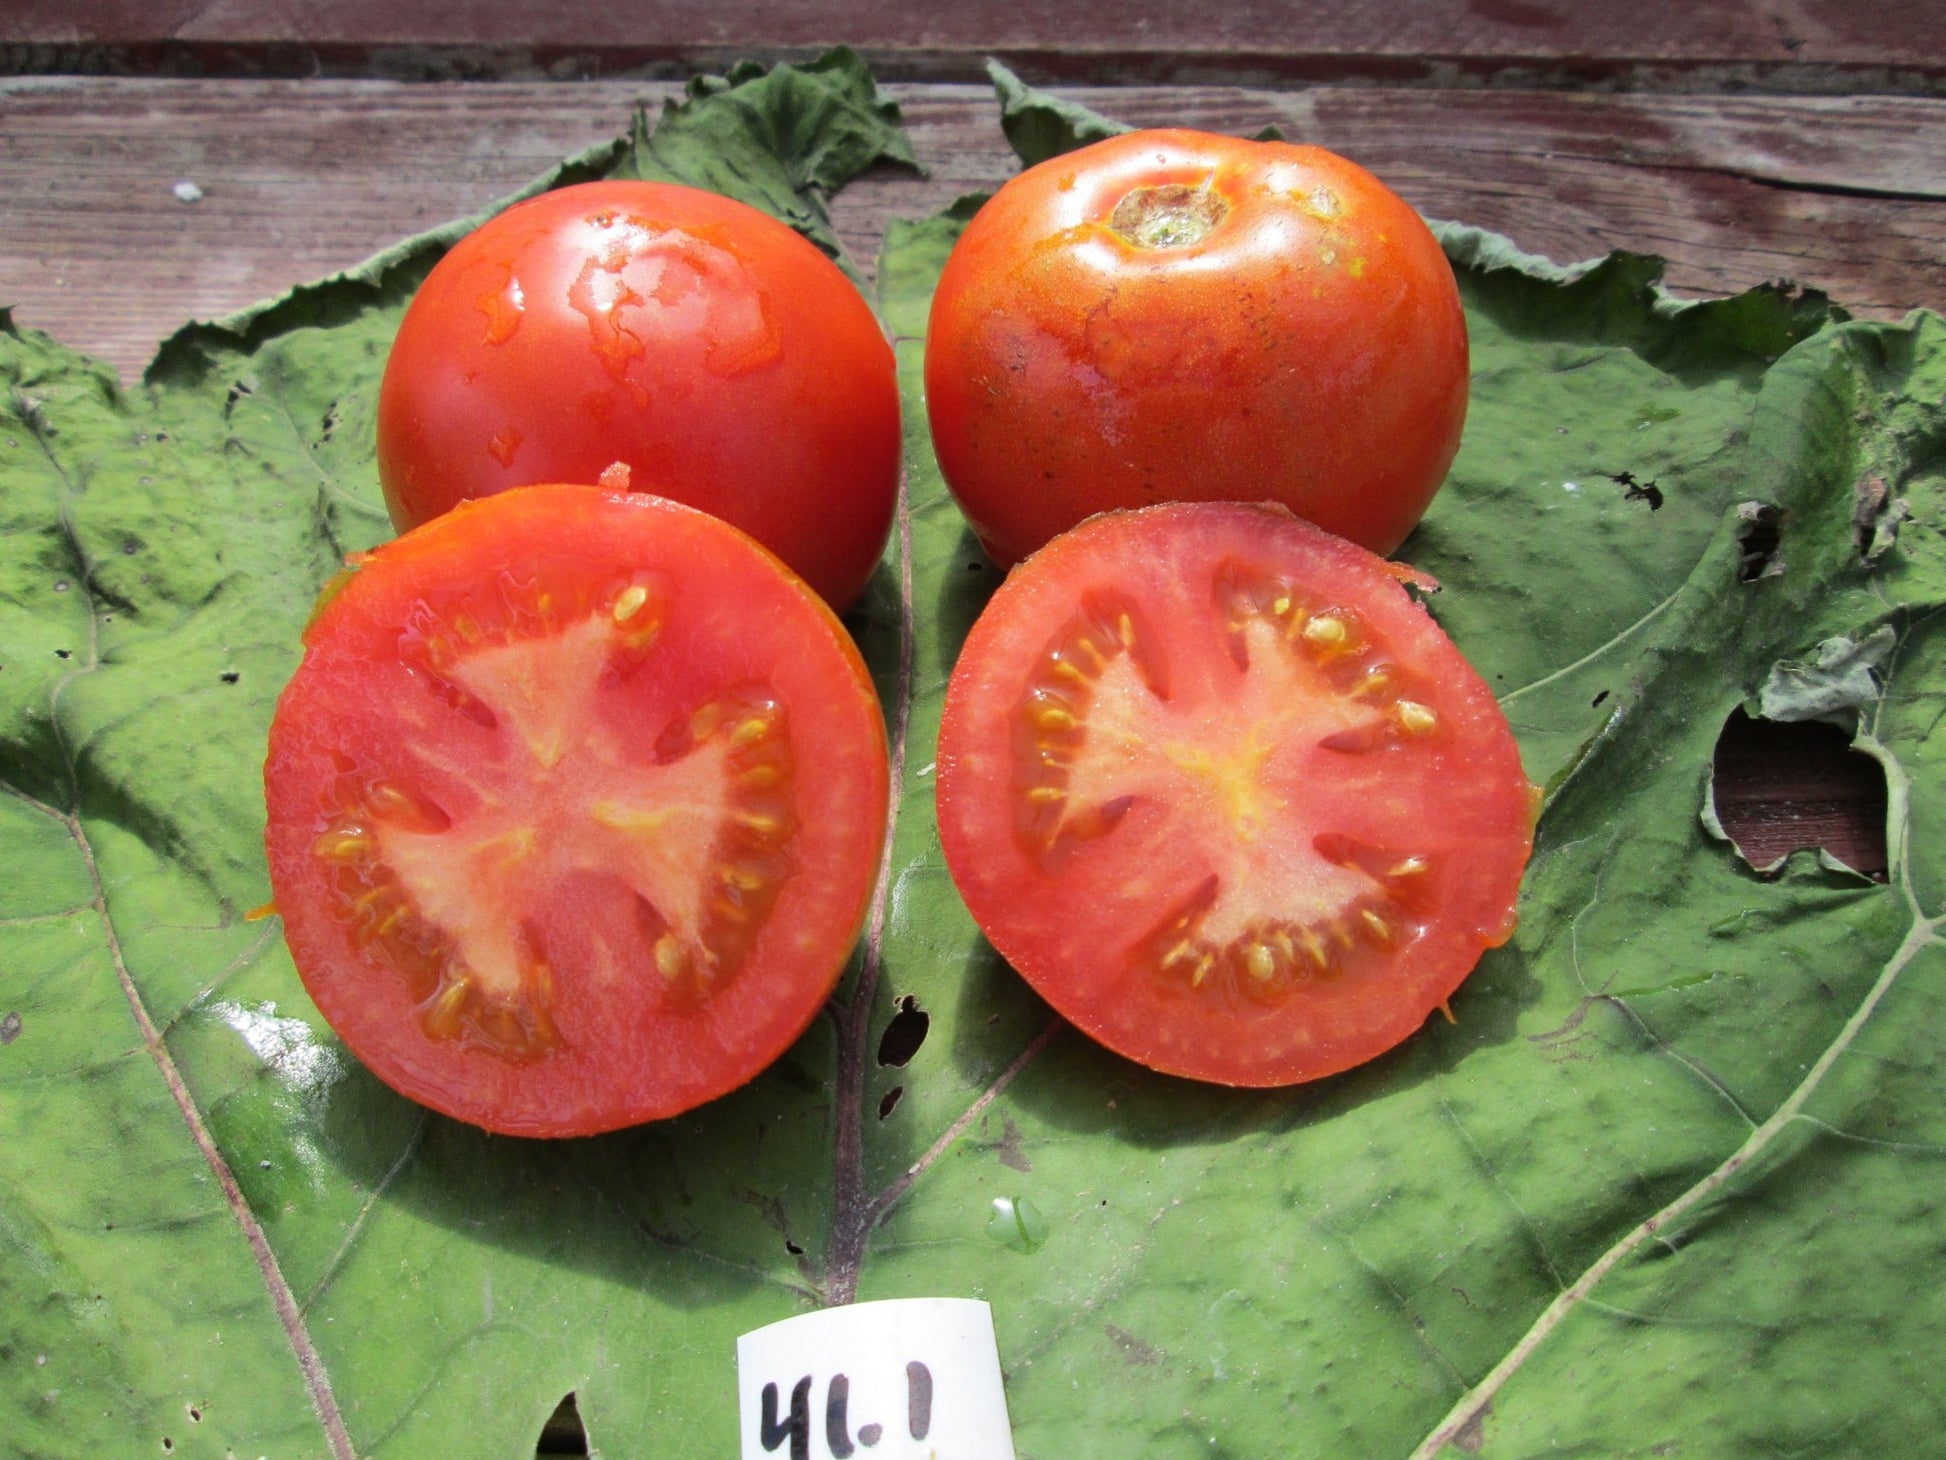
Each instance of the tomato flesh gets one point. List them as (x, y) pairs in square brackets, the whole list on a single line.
[(1226, 795), (575, 804)]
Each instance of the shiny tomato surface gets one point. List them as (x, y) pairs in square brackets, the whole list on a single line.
[(575, 805), (1226, 795), (1177, 316), (712, 350)]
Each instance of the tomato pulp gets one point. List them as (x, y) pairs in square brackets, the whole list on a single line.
[(575, 805), (1170, 316), (709, 348), (1226, 795)]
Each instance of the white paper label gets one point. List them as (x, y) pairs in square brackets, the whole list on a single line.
[(905, 1379)]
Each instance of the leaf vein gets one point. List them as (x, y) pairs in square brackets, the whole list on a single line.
[(310, 1363), (1473, 1405)]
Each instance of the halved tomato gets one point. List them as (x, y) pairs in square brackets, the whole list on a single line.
[(1225, 794), (575, 806)]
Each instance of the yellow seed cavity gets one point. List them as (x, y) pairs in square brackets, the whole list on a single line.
[(387, 797), (761, 822), (1177, 954), (759, 777), (1313, 946), (1125, 631), (1410, 867), (752, 730), (1281, 606), (630, 602), (1068, 669), (1377, 926), (342, 844), (1051, 719), (1259, 962), (1415, 718), (1047, 793), (744, 879), (1374, 682), (1326, 631), (1201, 973), (670, 960), (441, 1016)]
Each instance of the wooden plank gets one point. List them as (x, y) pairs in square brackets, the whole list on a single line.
[(1801, 47), (1782, 787), (302, 178)]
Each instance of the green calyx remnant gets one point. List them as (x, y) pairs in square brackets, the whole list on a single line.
[(1674, 1171)]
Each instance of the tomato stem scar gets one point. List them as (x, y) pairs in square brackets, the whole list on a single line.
[(1169, 216)]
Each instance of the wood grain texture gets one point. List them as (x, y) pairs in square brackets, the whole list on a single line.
[(300, 179), (1791, 45)]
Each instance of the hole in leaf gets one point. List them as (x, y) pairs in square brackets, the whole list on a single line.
[(1781, 786), (792, 1248), (890, 1101), (563, 1433), (229, 676), (1595, 703), (1759, 533), (903, 1036), (1876, 517)]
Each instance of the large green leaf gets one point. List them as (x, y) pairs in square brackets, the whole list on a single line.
[(1669, 1185)]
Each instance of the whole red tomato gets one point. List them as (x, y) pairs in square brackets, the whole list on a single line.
[(713, 350), (1172, 315)]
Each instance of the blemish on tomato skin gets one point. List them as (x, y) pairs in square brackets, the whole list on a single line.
[(503, 446), (504, 307), (615, 346)]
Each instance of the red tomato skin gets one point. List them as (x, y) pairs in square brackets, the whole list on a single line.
[(628, 1054), (713, 350), (1068, 933), (1310, 350)]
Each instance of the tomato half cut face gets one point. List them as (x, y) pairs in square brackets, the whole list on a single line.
[(575, 805), (1226, 795)]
